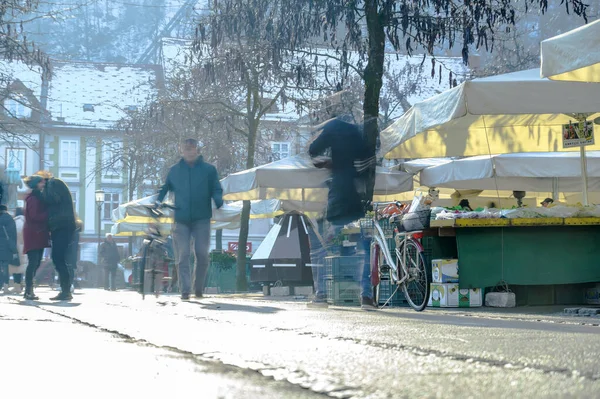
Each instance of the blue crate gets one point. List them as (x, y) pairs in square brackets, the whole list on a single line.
[(342, 293), (386, 289), (343, 268)]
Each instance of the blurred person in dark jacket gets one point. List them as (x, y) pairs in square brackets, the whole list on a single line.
[(345, 143), (61, 222), (8, 245), (109, 258)]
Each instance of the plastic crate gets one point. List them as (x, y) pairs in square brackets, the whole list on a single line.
[(366, 227), (343, 268), (386, 289), (387, 227), (342, 293)]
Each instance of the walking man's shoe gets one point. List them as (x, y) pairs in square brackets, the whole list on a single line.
[(63, 296), (318, 303), (198, 295), (30, 296), (185, 297), (367, 303)]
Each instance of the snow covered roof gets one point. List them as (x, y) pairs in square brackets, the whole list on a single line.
[(97, 95), (30, 76)]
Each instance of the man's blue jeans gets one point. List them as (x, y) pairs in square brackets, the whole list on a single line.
[(319, 252), (183, 234)]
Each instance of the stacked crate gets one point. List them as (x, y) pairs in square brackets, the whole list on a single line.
[(386, 289), (342, 280)]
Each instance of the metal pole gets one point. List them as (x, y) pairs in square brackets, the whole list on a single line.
[(584, 175), (98, 206), (555, 193)]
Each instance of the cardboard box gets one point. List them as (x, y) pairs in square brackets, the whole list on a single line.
[(449, 296), (592, 296), (444, 270), (470, 298)]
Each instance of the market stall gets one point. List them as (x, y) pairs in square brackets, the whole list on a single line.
[(518, 112), (297, 181)]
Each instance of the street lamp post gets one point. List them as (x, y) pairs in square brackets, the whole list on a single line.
[(99, 203)]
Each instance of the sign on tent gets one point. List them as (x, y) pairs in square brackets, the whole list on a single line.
[(578, 134)]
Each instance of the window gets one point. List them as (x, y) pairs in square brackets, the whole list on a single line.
[(111, 158), (88, 107), (17, 108), (280, 150), (69, 153), (111, 202), (16, 157)]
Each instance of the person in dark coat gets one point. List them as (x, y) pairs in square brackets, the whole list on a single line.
[(109, 257), (36, 236), (346, 145), (8, 245), (61, 222), (195, 184)]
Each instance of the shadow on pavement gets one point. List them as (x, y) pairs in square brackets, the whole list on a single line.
[(236, 307)]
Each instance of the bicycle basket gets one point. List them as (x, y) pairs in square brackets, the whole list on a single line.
[(419, 220)]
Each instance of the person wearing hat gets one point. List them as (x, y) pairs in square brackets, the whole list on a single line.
[(547, 202), (36, 236)]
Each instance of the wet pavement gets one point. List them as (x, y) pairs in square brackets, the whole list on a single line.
[(248, 346)]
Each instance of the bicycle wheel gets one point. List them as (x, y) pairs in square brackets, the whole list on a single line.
[(416, 286)]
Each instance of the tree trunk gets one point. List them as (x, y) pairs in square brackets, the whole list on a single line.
[(242, 283), (373, 81), (241, 280)]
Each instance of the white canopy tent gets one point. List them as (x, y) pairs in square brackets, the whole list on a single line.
[(574, 55), (537, 172), (511, 113), (132, 218), (297, 181)]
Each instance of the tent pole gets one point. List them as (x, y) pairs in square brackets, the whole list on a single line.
[(555, 194), (584, 175)]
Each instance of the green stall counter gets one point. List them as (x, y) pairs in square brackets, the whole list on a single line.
[(529, 254)]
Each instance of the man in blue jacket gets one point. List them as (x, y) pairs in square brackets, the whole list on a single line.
[(195, 184)]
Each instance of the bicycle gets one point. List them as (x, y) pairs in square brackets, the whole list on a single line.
[(155, 260), (407, 269)]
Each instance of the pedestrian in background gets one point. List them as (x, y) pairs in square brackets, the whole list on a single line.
[(61, 222), (36, 237), (8, 246), (18, 271), (108, 254), (195, 184)]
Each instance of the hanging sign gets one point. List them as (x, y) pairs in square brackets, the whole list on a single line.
[(578, 134)]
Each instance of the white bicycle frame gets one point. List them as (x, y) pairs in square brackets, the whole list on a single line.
[(381, 241)]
